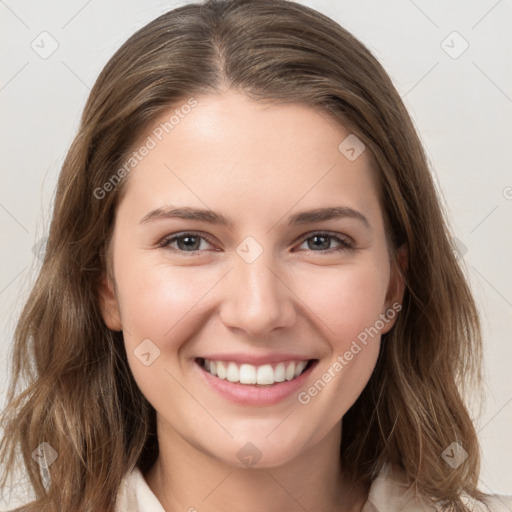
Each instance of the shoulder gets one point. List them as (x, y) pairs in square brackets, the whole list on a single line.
[(135, 495), (390, 491)]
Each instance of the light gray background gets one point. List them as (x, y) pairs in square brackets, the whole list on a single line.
[(462, 107)]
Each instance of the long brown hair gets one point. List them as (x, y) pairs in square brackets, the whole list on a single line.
[(72, 387)]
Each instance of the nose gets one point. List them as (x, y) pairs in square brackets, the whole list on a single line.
[(258, 300)]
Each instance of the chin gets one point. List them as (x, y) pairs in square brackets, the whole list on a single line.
[(257, 452)]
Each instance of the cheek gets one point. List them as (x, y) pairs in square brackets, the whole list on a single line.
[(349, 305), (345, 300), (161, 309), (158, 301), (348, 302)]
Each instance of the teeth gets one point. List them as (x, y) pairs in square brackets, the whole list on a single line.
[(280, 372), (290, 371), (247, 374), (300, 367), (233, 373), (221, 370), (264, 375)]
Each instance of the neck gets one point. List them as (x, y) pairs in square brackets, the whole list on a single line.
[(186, 478)]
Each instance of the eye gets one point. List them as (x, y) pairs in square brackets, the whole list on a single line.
[(187, 242), (190, 242), (322, 241)]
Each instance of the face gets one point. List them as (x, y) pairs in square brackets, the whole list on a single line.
[(293, 301)]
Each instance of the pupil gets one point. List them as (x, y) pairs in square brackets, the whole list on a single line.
[(193, 246), (322, 237)]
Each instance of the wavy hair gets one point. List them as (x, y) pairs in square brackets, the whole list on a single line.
[(71, 384)]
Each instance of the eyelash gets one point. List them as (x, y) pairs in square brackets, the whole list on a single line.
[(345, 245)]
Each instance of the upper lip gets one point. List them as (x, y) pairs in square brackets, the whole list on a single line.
[(256, 360)]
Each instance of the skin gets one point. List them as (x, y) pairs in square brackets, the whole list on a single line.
[(257, 163)]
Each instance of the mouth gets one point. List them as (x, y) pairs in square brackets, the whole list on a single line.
[(256, 376)]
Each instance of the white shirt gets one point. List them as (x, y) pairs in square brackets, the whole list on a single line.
[(388, 493)]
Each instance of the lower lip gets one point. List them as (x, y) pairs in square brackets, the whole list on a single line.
[(248, 394)]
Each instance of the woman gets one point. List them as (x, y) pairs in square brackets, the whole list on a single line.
[(249, 298)]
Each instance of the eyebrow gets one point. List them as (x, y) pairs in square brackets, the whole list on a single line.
[(212, 217)]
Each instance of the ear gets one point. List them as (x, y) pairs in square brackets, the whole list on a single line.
[(108, 303), (396, 288)]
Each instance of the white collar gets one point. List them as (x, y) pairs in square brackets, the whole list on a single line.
[(389, 492)]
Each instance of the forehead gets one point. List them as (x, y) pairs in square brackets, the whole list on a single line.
[(250, 155)]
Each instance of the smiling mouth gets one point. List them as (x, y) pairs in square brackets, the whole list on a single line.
[(248, 374)]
